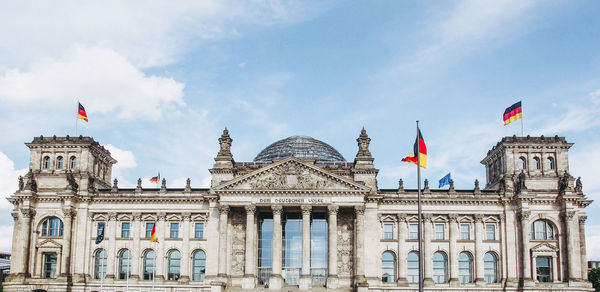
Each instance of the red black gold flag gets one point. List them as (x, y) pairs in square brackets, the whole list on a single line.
[(81, 114), (155, 179), (153, 234), (422, 150), (512, 113)]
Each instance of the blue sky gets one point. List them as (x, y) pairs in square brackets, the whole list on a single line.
[(161, 80)]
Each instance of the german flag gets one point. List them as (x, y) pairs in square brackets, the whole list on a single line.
[(422, 150), (512, 113), (81, 114), (153, 235), (155, 179)]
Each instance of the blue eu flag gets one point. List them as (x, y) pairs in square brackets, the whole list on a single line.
[(445, 180), (100, 236)]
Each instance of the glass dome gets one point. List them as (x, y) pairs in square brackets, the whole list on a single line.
[(301, 147)]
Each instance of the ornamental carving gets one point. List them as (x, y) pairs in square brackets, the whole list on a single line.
[(277, 209), (453, 217), (291, 176), (333, 209), (306, 209), (238, 241), (478, 218), (427, 217), (250, 209), (524, 215), (582, 219), (223, 209), (359, 210), (345, 232)]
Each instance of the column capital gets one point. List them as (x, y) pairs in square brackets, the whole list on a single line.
[(250, 209), (428, 217), (582, 219), (524, 215), (478, 218), (277, 209), (401, 217), (453, 217), (15, 216), (112, 216), (306, 209), (568, 215), (223, 209), (502, 217), (333, 209), (161, 216), (27, 212), (69, 212), (137, 216), (186, 216), (359, 210)]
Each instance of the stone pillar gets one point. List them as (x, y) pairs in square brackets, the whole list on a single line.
[(582, 249), (525, 257), (160, 254), (402, 253), (111, 231), (15, 249), (332, 278), (223, 218), (250, 252), (572, 247), (502, 265), (427, 254), (479, 252), (136, 233), (22, 256), (276, 281), (65, 262), (359, 245), (185, 253), (453, 253), (305, 277)]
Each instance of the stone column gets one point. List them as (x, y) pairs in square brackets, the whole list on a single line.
[(332, 278), (15, 250), (402, 253), (22, 257), (305, 278), (427, 254), (223, 218), (582, 249), (525, 257), (453, 256), (136, 256), (572, 247), (65, 263), (276, 281), (111, 231), (503, 247), (160, 254), (250, 252), (479, 252), (185, 253), (359, 245)]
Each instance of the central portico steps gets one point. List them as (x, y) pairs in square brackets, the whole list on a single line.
[(288, 289)]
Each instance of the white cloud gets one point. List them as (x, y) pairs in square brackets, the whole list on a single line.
[(103, 80), (125, 160), (592, 236), (6, 238), (9, 182)]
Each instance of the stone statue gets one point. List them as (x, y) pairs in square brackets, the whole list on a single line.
[(578, 185), (363, 144), (225, 144), (400, 185), (139, 183), (21, 183), (520, 185), (30, 185), (563, 183), (72, 183), (164, 183)]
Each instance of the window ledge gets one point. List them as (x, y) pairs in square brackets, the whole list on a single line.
[(197, 239), (124, 238), (174, 239), (440, 240), (491, 241), (389, 240), (50, 237), (465, 241)]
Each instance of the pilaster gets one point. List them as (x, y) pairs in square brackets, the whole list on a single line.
[(453, 254), (332, 278), (250, 251), (305, 278), (223, 218), (427, 254), (276, 281), (479, 252), (402, 252)]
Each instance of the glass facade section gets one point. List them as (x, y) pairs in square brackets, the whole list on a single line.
[(265, 247), (318, 249), (301, 147), (292, 248), (50, 260)]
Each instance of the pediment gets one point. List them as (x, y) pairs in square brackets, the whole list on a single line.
[(544, 247), (49, 243), (291, 174)]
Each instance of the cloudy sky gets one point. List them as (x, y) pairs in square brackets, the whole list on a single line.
[(160, 81)]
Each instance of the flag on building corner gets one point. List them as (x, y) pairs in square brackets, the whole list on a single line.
[(422, 149), (153, 234), (81, 114), (445, 180), (155, 179), (512, 113)]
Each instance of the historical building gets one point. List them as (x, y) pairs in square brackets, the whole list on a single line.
[(298, 217)]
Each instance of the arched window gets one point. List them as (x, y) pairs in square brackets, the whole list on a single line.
[(199, 266), (60, 162), (73, 162), (522, 162), (465, 267), (536, 163), (490, 267), (100, 264), (46, 162), (542, 230), (549, 163), (52, 227), (439, 267), (174, 265), (124, 264), (149, 259), (388, 267), (412, 267)]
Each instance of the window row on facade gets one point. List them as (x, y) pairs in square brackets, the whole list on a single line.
[(174, 229), (59, 162)]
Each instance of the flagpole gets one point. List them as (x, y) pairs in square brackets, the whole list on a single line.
[(154, 266), (76, 118), (522, 128), (420, 233), (128, 259), (105, 263)]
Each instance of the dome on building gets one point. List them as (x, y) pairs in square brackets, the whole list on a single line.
[(301, 147)]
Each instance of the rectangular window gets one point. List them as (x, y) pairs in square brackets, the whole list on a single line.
[(149, 227), (199, 230), (464, 232), (125, 229), (490, 232), (543, 269), (413, 231), (388, 231), (50, 260), (439, 231), (174, 230), (100, 228)]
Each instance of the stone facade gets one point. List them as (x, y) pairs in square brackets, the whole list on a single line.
[(297, 224)]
